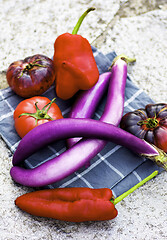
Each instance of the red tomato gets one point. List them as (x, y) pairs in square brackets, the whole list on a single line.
[(149, 123), (31, 76), (34, 111)]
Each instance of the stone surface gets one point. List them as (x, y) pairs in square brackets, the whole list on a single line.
[(135, 28)]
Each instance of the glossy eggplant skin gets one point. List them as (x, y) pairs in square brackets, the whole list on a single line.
[(149, 123), (78, 155), (87, 101)]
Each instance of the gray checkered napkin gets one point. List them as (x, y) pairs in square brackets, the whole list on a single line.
[(114, 167)]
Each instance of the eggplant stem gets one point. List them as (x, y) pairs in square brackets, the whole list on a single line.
[(125, 194), (160, 159), (124, 58), (77, 26)]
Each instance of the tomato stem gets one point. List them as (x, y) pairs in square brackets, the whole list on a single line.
[(149, 122), (29, 66), (40, 113), (125, 194), (77, 26)]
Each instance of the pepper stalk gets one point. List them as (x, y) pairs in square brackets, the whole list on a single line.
[(77, 26), (131, 190)]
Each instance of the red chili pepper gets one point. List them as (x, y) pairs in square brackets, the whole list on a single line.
[(74, 204), (75, 66), (69, 204)]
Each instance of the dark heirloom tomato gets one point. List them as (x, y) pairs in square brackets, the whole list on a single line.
[(149, 124), (31, 76)]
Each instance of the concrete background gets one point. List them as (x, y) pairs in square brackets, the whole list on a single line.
[(137, 28)]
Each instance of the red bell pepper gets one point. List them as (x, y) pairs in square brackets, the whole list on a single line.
[(74, 63), (74, 204)]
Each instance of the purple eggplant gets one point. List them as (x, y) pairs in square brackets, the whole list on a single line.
[(71, 160), (112, 114), (113, 109), (87, 101)]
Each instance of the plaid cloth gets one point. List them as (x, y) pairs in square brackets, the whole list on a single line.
[(114, 167)]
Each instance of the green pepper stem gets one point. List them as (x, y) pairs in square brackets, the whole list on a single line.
[(77, 26), (125, 194)]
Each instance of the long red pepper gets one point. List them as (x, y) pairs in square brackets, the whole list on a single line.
[(74, 204), (74, 63)]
